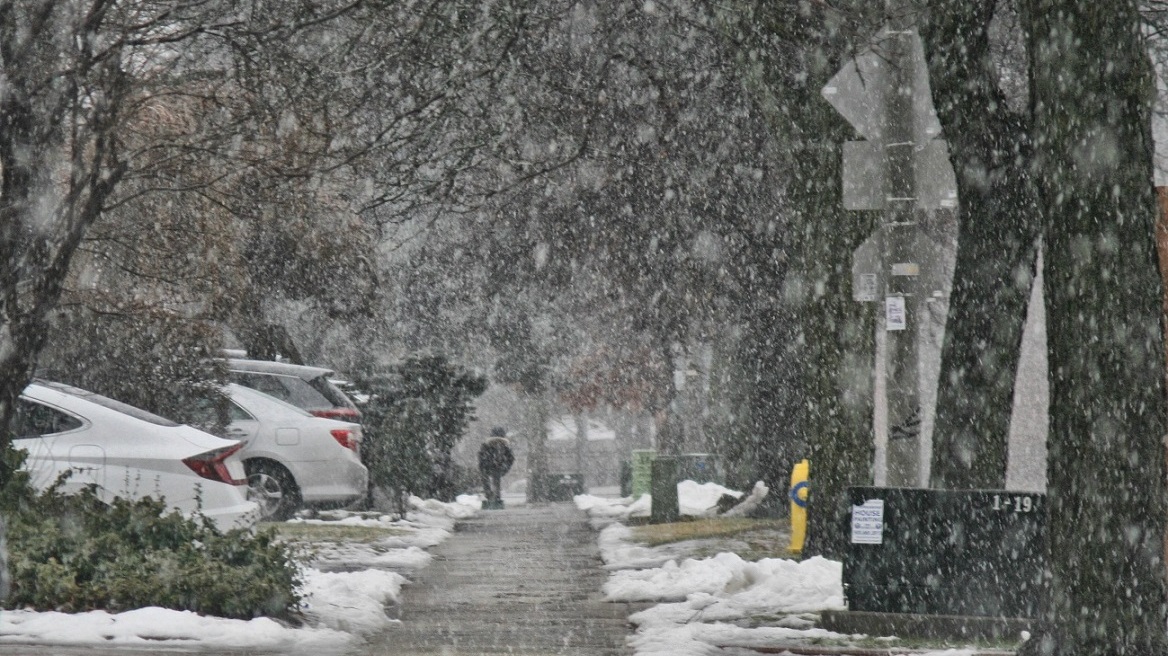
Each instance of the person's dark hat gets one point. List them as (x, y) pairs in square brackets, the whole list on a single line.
[(498, 431)]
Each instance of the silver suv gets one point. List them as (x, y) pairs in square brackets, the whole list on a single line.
[(308, 388)]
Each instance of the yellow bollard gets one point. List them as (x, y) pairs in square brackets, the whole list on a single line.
[(800, 492)]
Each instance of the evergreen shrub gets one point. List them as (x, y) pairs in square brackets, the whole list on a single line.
[(414, 415), (75, 553)]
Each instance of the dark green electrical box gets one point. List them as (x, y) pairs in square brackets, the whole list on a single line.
[(560, 486), (945, 552)]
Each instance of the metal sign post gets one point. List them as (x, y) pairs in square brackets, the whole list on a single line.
[(900, 227), (903, 170)]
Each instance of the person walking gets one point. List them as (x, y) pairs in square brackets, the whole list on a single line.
[(495, 460)]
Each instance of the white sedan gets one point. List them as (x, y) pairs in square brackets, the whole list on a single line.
[(292, 457), (130, 453)]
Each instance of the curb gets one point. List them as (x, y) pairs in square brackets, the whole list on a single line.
[(804, 650)]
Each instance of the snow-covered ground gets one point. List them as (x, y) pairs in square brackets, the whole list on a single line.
[(706, 604), (703, 605), (339, 607)]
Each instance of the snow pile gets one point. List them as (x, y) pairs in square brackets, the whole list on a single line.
[(157, 627), (605, 508), (701, 499), (428, 524), (752, 501), (701, 639), (707, 603), (618, 551), (769, 585), (693, 499), (349, 556), (464, 506), (704, 600), (711, 594), (353, 602)]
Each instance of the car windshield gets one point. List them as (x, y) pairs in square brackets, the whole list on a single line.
[(327, 389), (290, 389)]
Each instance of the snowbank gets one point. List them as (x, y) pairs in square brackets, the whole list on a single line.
[(158, 627), (705, 602), (693, 499)]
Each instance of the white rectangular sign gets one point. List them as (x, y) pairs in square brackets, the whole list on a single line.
[(895, 317), (906, 269), (867, 288), (868, 522)]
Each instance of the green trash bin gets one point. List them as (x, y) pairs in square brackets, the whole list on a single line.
[(665, 507), (642, 472)]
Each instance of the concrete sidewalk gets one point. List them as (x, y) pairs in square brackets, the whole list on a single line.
[(525, 580)]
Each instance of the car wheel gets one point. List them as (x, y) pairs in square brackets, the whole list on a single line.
[(273, 488)]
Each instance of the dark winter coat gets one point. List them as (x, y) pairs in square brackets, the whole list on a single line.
[(495, 457)]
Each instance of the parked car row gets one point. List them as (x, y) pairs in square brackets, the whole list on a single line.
[(293, 439)]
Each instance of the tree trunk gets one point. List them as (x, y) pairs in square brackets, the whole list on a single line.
[(997, 246), (774, 367), (537, 464), (828, 339), (58, 164), (839, 376), (1092, 88), (581, 420)]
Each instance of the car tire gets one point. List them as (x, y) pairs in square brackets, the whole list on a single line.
[(273, 488)]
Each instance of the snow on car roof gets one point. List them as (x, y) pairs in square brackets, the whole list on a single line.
[(268, 367)]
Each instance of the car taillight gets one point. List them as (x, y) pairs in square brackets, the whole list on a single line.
[(346, 438), (212, 466), (343, 414)]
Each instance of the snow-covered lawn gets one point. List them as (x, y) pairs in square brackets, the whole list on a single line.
[(706, 604), (339, 607)]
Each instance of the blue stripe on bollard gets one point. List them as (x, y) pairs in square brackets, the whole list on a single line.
[(802, 485)]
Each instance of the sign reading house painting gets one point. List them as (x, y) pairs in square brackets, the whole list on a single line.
[(868, 522)]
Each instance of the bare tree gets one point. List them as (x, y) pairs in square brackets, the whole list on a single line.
[(257, 116)]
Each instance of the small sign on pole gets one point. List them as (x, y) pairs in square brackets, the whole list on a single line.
[(906, 269), (868, 288), (866, 271), (895, 317)]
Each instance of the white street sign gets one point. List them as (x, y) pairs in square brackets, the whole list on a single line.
[(860, 90), (868, 288), (866, 182), (895, 316), (936, 181), (860, 93), (866, 271), (865, 176)]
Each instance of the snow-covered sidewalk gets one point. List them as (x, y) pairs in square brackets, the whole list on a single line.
[(722, 601), (340, 608)]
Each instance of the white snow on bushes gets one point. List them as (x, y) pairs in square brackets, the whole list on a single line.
[(693, 499), (340, 608)]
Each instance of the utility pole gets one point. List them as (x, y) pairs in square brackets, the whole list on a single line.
[(900, 238)]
